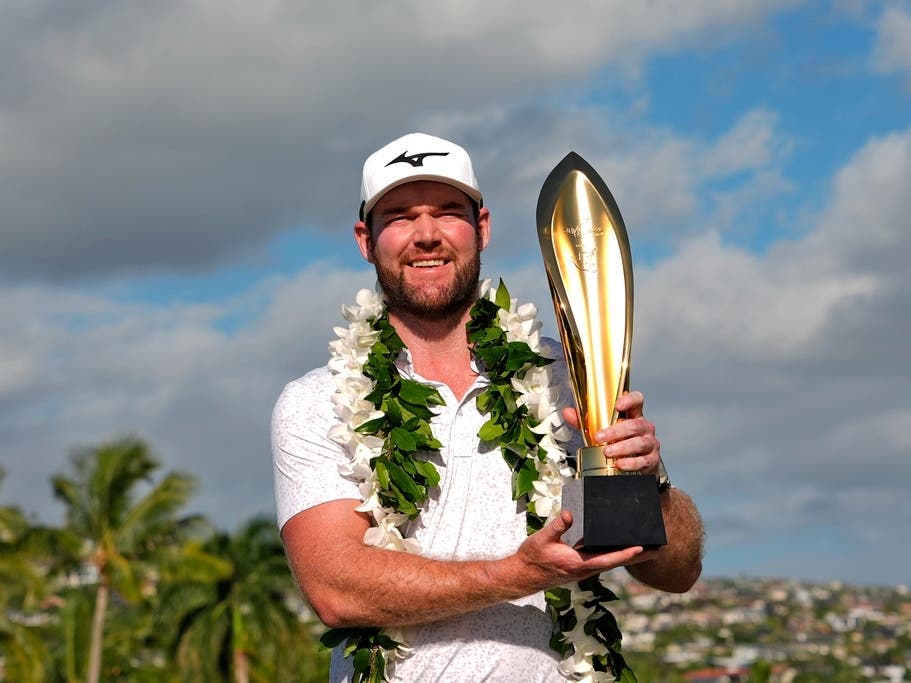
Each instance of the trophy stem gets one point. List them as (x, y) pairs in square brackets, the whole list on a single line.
[(591, 461)]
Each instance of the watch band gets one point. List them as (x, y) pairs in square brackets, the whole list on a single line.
[(664, 482)]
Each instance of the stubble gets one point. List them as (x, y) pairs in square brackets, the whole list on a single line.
[(434, 301)]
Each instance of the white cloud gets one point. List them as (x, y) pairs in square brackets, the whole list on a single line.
[(870, 205), (130, 128), (753, 143), (892, 49), (783, 375), (200, 396)]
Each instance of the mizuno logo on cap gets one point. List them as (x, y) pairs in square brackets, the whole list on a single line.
[(415, 160)]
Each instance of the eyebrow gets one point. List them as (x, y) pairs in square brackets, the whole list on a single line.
[(447, 206)]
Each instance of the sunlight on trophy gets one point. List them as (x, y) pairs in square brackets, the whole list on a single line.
[(589, 269)]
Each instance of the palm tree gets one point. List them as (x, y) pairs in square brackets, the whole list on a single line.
[(126, 537), (243, 627)]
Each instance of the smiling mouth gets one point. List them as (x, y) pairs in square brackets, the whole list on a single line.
[(427, 263)]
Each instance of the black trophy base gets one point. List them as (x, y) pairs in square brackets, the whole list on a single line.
[(621, 511)]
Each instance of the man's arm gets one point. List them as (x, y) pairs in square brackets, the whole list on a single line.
[(350, 584), (679, 563)]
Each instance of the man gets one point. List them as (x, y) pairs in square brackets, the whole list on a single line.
[(470, 604)]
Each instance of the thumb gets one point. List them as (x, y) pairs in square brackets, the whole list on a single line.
[(559, 526)]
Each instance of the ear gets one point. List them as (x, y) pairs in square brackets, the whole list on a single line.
[(364, 240), (483, 228)]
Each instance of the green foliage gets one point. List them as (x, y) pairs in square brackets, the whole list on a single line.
[(123, 530), (366, 646), (22, 585), (403, 471), (760, 672), (405, 479), (187, 604), (122, 534), (75, 626), (601, 624), (238, 616), (511, 425)]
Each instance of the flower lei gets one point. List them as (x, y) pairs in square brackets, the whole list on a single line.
[(385, 425)]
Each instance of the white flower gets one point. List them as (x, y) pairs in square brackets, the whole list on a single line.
[(387, 535), (520, 324), (344, 433), (371, 504), (583, 672), (546, 499), (585, 645), (398, 635), (353, 343), (369, 305), (547, 491), (578, 598), (578, 665)]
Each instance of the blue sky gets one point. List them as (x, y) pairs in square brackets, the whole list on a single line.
[(180, 180)]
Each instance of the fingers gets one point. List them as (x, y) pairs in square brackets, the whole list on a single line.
[(626, 429), (551, 562), (641, 555), (636, 453), (632, 403), (631, 442), (571, 415), (618, 558)]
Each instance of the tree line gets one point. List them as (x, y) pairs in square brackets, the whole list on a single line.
[(130, 588)]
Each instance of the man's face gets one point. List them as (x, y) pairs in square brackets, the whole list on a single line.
[(426, 247)]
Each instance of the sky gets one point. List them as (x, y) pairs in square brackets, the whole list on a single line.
[(179, 182)]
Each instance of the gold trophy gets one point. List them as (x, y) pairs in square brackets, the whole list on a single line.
[(590, 272)]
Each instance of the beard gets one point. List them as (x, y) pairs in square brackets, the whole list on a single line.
[(431, 300)]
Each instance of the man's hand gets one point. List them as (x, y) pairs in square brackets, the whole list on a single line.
[(551, 562), (630, 442), (632, 445)]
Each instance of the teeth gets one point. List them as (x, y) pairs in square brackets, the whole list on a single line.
[(428, 263)]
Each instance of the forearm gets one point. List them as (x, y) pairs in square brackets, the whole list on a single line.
[(366, 586), (679, 563)]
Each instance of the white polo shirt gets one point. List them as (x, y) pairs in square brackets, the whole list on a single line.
[(470, 516)]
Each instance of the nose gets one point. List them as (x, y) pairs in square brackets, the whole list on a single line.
[(426, 231)]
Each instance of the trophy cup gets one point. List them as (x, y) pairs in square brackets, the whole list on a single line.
[(589, 269)]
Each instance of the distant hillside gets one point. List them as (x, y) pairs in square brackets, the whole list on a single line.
[(766, 630)]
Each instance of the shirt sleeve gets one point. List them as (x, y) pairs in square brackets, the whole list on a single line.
[(305, 461)]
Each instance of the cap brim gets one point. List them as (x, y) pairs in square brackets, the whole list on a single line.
[(472, 192)]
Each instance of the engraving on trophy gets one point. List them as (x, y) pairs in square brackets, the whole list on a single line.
[(586, 260)]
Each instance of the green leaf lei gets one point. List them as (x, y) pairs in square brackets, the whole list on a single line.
[(405, 477)]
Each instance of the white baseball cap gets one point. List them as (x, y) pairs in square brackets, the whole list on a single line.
[(416, 156)]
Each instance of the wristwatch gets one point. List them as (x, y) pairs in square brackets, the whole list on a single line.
[(664, 482)]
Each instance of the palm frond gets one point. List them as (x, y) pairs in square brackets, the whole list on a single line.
[(152, 518)]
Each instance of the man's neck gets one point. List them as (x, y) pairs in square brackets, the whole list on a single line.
[(439, 348)]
